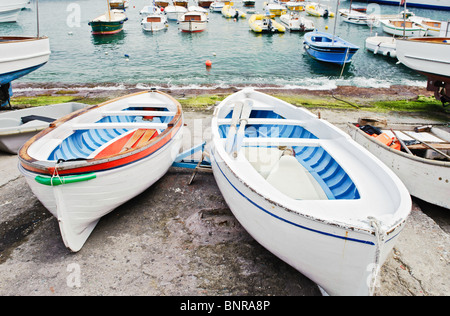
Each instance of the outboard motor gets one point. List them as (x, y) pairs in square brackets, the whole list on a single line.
[(326, 13)]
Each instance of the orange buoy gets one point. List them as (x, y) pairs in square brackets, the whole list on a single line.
[(208, 63)]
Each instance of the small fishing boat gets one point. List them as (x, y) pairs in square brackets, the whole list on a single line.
[(154, 22), (295, 5), (150, 9), (205, 3), (193, 22), (162, 3), (248, 3), (293, 21), (18, 126), (181, 3), (401, 27), (424, 170), (353, 17), (306, 191), (318, 10), (383, 45), (109, 23), (260, 23), (9, 10), (118, 4), (217, 6), (431, 27), (88, 163), (275, 9), (229, 11), (329, 48), (174, 12)]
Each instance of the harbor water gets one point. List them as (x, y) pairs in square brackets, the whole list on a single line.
[(172, 58)]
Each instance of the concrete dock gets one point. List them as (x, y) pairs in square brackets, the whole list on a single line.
[(180, 239)]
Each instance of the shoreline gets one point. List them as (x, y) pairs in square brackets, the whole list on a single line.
[(114, 89)]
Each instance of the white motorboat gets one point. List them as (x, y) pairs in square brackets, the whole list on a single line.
[(295, 22), (88, 163), (306, 191), (154, 22), (193, 22), (174, 12)]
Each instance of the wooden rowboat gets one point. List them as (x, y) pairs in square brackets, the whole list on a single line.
[(424, 171), (88, 163), (306, 191)]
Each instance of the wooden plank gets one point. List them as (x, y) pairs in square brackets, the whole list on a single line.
[(148, 134), (442, 146), (136, 136)]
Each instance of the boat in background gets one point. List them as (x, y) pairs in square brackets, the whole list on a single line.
[(293, 21), (329, 48), (426, 4), (306, 191), (229, 11), (109, 23), (217, 6), (162, 3), (248, 3), (118, 4), (174, 12), (205, 3), (295, 5), (18, 126), (18, 57), (429, 56), (154, 22), (10, 9), (424, 171), (401, 27), (193, 22), (318, 10), (181, 3), (260, 23), (274, 9), (431, 27), (150, 9), (383, 45), (88, 163)]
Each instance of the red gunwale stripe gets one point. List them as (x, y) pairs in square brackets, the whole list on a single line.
[(114, 163)]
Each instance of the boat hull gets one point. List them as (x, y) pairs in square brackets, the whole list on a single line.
[(382, 45), (319, 46), (9, 10), (22, 55), (430, 56), (106, 28), (426, 179), (413, 31)]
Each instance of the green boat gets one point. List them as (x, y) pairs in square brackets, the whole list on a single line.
[(109, 23)]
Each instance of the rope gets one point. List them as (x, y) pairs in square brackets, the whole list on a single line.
[(56, 173), (380, 235)]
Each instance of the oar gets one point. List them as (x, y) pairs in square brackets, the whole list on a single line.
[(402, 143), (232, 130), (248, 104)]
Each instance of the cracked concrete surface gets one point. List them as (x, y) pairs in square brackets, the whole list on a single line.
[(179, 239)]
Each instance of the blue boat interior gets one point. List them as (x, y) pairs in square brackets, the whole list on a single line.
[(81, 143), (331, 177)]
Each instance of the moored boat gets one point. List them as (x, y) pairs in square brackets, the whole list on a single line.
[(229, 11), (424, 171), (205, 3), (275, 9), (17, 126), (260, 23), (295, 22), (193, 22), (400, 27), (306, 191), (427, 4), (109, 23), (295, 5), (88, 163), (154, 22), (318, 10), (174, 12), (329, 48)]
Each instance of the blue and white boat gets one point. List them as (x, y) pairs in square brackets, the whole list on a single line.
[(306, 191), (329, 48)]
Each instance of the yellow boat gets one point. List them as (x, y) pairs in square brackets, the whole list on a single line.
[(318, 10), (229, 11), (274, 9), (261, 23)]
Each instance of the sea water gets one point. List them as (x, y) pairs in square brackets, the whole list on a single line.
[(172, 58)]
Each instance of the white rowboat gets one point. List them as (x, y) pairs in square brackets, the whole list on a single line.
[(88, 163), (306, 191)]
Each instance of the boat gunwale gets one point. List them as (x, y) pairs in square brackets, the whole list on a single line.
[(32, 164), (398, 152), (20, 39)]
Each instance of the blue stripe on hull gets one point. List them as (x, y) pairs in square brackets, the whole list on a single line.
[(10, 76)]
